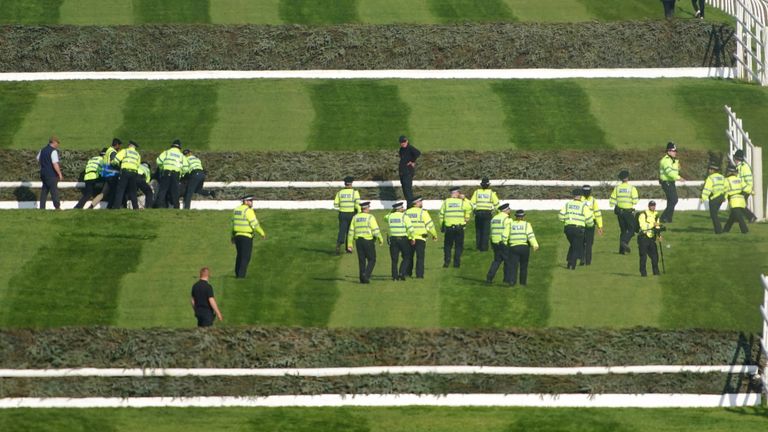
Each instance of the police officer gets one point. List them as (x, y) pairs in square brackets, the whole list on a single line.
[(363, 231), (169, 163), (734, 191), (589, 230), (484, 200), (244, 224), (91, 178), (521, 239), (194, 176), (129, 161), (407, 166), (347, 202), (669, 173), (401, 240), (110, 173), (575, 216), (623, 200), (454, 214), (499, 238), (648, 231), (422, 228), (745, 173), (714, 192), (144, 183)]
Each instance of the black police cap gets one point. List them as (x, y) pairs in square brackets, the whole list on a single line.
[(623, 175), (103, 151), (187, 151), (739, 155), (520, 213), (365, 204), (133, 143), (116, 141), (176, 143), (247, 198), (455, 189), (397, 205), (503, 207), (671, 146), (576, 192), (485, 181), (348, 180), (652, 204)]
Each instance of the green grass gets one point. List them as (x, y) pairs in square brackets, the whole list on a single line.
[(170, 11), (15, 104), (136, 269), (387, 419), (29, 12), (318, 11), (471, 10)]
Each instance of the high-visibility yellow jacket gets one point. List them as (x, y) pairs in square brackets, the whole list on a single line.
[(714, 187), (171, 160), (500, 228), (422, 223), (521, 233), (455, 211), (591, 202), (244, 222), (624, 196), (109, 156), (734, 189), (648, 220), (576, 212), (399, 225), (144, 171), (484, 199), (669, 168), (191, 163), (128, 159), (364, 226), (92, 168), (347, 200), (745, 173)]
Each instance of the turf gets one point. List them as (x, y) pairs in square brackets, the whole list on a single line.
[(170, 11), (96, 12), (471, 10), (319, 11), (15, 104), (29, 12), (387, 419), (245, 12)]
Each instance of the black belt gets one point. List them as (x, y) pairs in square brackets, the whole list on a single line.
[(399, 237), (129, 170), (575, 226)]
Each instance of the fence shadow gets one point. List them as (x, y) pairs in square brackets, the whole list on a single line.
[(717, 55)]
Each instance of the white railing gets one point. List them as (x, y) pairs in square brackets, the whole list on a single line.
[(751, 37), (738, 139), (764, 341), (760, 7)]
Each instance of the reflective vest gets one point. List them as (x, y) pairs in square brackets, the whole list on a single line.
[(347, 200), (624, 196), (591, 202), (500, 228), (745, 174), (521, 233), (171, 160), (399, 225), (194, 163), (364, 226), (92, 168), (128, 159), (648, 220), (484, 199), (455, 211), (422, 223), (669, 168), (244, 222), (733, 190), (109, 156), (576, 212), (714, 186), (144, 171)]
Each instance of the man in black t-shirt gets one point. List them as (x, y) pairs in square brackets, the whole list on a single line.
[(407, 167), (203, 302)]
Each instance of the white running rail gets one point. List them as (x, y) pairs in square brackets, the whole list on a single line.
[(751, 37), (738, 139)]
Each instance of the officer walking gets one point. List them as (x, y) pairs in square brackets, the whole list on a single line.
[(734, 191), (521, 239), (144, 183), (589, 230), (129, 161), (192, 170), (454, 214), (575, 215), (623, 200), (363, 231), (91, 177), (669, 173), (745, 173), (499, 238), (401, 240), (407, 167), (169, 163), (244, 224), (714, 192), (648, 231), (347, 202), (422, 228), (484, 200), (50, 172)]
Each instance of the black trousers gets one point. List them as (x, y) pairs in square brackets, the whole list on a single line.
[(406, 181), (126, 186), (714, 208), (418, 255), (146, 189), (647, 248), (50, 184), (482, 229), (737, 215), (500, 255), (519, 256), (454, 238), (575, 236), (90, 185), (204, 317), (589, 241), (345, 220), (626, 227), (244, 247), (399, 247), (110, 188), (669, 8), (366, 258), (699, 6), (168, 189), (670, 191), (195, 184), (747, 212)]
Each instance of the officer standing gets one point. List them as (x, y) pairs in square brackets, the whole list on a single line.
[(575, 215), (91, 177), (50, 172), (648, 231), (714, 192), (669, 173), (129, 161), (734, 191), (499, 238), (363, 231), (407, 167), (192, 170), (422, 227), (454, 214), (484, 200), (589, 230), (401, 240), (745, 173), (521, 239), (244, 224), (623, 200), (169, 163), (347, 202), (144, 180)]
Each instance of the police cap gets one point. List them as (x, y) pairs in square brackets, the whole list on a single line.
[(485, 182), (576, 192), (731, 169), (623, 175), (714, 167), (247, 198), (176, 143), (520, 214), (417, 199), (652, 204), (365, 204), (187, 151), (348, 180), (671, 146), (103, 151), (503, 207), (739, 155), (133, 143), (116, 141), (397, 205), (455, 189)]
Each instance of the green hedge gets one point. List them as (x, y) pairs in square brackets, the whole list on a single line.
[(662, 43)]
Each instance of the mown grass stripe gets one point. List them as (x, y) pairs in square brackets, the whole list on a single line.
[(170, 11), (471, 10), (395, 11), (29, 12), (16, 101), (550, 10), (245, 12), (96, 12), (319, 11)]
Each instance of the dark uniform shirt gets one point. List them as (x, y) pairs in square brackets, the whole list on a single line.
[(407, 154), (201, 292)]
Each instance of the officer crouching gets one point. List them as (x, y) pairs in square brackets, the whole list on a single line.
[(649, 229)]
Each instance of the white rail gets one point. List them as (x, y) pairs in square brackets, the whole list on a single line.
[(751, 37), (759, 7), (738, 139)]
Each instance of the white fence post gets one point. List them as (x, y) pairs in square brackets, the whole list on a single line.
[(751, 37), (738, 139)]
